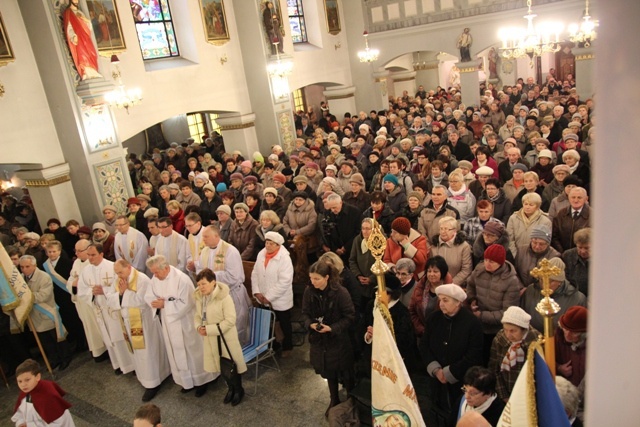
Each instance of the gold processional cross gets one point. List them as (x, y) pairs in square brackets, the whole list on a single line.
[(377, 244)]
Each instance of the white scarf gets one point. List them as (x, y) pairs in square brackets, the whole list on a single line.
[(514, 355), (459, 192), (573, 168), (479, 409)]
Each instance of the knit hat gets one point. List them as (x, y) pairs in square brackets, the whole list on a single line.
[(346, 142), (557, 262), (575, 319), (571, 136), (494, 227), (133, 201), (300, 178), (417, 195), (406, 141), (374, 153), (516, 316), (246, 164), (54, 221), (144, 197), (86, 230), (401, 225), (332, 167), (224, 208), (32, 236), (520, 166), (221, 187), (250, 179), (302, 194), (452, 290), (357, 179), (572, 180), (242, 206), (257, 157), (541, 232), (496, 253), (109, 208), (209, 186), (280, 178), (390, 178), (483, 171), (274, 237), (545, 153), (465, 164), (151, 212), (330, 180), (173, 186), (99, 226), (202, 176), (269, 190), (561, 168)]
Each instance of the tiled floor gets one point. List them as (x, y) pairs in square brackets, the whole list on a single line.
[(296, 396)]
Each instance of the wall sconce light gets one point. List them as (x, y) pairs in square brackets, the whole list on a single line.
[(224, 59), (337, 45), (1, 90)]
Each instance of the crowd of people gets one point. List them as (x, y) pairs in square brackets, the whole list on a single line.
[(470, 199)]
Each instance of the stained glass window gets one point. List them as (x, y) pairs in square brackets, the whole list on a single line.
[(155, 29), (296, 21)]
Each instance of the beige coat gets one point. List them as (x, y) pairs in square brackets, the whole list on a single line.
[(42, 288), (457, 255), (220, 310), (519, 228)]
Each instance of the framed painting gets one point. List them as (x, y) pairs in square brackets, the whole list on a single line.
[(214, 20), (6, 53), (106, 26), (333, 16)]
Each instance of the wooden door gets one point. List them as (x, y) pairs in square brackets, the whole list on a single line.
[(565, 63)]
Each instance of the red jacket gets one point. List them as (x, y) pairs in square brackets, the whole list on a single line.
[(417, 250)]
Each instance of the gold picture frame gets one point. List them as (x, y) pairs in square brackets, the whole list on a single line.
[(214, 20), (106, 26), (6, 52), (333, 16)]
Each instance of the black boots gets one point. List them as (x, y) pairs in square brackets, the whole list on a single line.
[(236, 392)]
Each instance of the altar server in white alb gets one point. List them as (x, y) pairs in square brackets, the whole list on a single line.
[(96, 282), (193, 223), (172, 245), (171, 297), (142, 327), (130, 244), (85, 310)]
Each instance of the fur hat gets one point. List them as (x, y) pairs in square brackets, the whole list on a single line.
[(516, 316), (280, 178), (496, 253), (575, 319), (401, 225), (494, 227), (151, 212)]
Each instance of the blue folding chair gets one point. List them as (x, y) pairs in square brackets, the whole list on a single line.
[(260, 345)]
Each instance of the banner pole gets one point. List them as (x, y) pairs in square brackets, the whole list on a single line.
[(42, 352)]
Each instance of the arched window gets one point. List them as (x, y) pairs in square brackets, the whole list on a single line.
[(296, 21), (154, 26)]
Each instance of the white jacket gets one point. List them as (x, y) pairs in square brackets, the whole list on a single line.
[(275, 281)]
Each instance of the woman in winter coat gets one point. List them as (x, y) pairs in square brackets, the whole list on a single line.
[(243, 232), (271, 284), (451, 244), (460, 198), (210, 203), (501, 203), (300, 225), (406, 242), (493, 232), (424, 300), (555, 187), (328, 314), (414, 208), (380, 211), (522, 222), (273, 202), (269, 221), (531, 184), (177, 216), (215, 309), (509, 349), (361, 260), (396, 197), (491, 289)]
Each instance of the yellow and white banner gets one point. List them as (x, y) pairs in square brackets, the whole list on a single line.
[(15, 296), (393, 399)]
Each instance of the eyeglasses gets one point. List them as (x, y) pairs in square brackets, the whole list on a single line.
[(403, 274), (466, 391), (162, 227)]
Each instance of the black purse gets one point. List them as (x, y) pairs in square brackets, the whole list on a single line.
[(228, 367)]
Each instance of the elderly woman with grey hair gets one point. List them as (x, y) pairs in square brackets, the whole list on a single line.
[(405, 269), (524, 220), (570, 398), (577, 168), (451, 244)]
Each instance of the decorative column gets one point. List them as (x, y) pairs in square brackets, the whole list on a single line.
[(405, 80), (239, 132), (469, 83), (341, 99), (51, 192), (585, 62), (382, 89)]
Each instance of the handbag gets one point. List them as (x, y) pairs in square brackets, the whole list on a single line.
[(228, 367)]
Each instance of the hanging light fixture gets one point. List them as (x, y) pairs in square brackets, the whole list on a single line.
[(532, 41), (368, 55), (584, 33), (419, 64), (279, 68), (121, 97)]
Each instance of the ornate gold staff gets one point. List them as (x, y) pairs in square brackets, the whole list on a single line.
[(548, 308), (377, 244)]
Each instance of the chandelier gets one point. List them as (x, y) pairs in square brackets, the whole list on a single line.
[(368, 55), (419, 65), (532, 41), (121, 97), (279, 68), (584, 33)]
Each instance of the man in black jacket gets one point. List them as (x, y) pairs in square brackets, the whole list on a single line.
[(340, 227)]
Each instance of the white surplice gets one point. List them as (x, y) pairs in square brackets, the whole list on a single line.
[(27, 415), (86, 313), (183, 343), (132, 247), (151, 363), (109, 321), (175, 249)]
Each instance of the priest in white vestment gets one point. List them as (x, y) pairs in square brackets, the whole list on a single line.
[(171, 294), (172, 245), (193, 223), (142, 326), (225, 260), (96, 282), (130, 244), (85, 311)]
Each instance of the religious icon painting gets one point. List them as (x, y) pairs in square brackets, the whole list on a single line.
[(333, 16), (6, 53), (106, 26), (214, 20)]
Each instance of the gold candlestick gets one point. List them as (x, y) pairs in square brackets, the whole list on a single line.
[(377, 244), (548, 308)]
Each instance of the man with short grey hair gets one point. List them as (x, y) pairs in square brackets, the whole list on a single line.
[(339, 226)]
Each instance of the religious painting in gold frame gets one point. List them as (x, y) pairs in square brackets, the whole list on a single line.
[(6, 53), (105, 22), (214, 20), (333, 16)]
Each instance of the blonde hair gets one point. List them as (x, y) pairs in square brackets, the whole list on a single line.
[(531, 174), (173, 204), (333, 259), (271, 215)]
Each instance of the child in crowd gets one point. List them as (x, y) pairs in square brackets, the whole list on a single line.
[(40, 402), (148, 415)]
